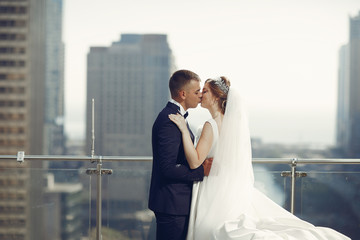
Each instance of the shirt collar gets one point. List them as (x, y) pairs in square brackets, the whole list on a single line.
[(182, 110)]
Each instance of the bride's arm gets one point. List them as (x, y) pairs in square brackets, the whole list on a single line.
[(194, 156)]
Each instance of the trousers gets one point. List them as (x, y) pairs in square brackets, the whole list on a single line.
[(171, 227)]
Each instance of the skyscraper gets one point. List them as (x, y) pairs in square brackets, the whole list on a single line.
[(21, 82), (22, 60), (54, 80), (129, 82), (29, 67), (343, 123), (348, 128)]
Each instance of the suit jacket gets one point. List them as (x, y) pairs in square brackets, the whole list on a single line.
[(172, 178)]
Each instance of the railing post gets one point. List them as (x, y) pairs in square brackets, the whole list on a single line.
[(293, 181), (92, 128), (293, 174), (98, 201), (99, 171)]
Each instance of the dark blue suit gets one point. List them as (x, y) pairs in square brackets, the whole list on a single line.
[(172, 178)]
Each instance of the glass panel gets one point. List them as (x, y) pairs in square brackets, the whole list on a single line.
[(125, 197), (269, 181), (62, 200), (330, 198), (36, 206)]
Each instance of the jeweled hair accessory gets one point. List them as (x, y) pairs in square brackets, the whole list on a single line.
[(221, 84)]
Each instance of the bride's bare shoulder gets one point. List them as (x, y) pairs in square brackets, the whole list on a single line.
[(207, 129), (204, 130)]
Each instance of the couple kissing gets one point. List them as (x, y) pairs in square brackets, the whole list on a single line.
[(207, 191)]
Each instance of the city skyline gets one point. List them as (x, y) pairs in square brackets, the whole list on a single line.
[(285, 54)]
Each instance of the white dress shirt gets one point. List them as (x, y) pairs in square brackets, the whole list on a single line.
[(182, 110)]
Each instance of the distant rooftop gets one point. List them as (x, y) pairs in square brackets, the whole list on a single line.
[(131, 38)]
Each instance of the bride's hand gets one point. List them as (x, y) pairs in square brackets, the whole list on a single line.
[(179, 120)]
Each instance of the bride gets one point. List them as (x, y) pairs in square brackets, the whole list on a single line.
[(226, 205)]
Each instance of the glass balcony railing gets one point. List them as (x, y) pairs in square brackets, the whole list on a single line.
[(64, 197)]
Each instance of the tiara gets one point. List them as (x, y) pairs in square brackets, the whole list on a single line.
[(221, 84)]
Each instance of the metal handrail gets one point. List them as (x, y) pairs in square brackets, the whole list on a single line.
[(149, 158), (307, 160), (77, 158)]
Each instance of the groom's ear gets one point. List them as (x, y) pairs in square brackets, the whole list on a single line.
[(182, 94)]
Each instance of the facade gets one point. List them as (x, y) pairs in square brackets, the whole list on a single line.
[(54, 83), (21, 115), (348, 129), (129, 84), (354, 75), (343, 121), (31, 74)]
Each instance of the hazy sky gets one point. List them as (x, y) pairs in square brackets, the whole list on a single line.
[(282, 53)]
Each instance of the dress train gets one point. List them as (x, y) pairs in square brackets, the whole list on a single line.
[(268, 221)]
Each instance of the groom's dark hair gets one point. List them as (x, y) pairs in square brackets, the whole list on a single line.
[(179, 79)]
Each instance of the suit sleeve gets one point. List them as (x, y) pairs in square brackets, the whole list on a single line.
[(169, 140)]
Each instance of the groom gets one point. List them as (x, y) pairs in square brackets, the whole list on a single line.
[(172, 178)]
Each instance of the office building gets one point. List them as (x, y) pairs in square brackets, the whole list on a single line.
[(129, 84), (54, 140), (343, 122), (348, 128), (354, 75), (21, 114), (31, 73)]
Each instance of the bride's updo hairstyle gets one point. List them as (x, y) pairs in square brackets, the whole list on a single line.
[(219, 87)]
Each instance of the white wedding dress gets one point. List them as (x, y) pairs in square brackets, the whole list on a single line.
[(226, 205)]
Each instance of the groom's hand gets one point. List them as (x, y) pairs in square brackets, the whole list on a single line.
[(207, 166)]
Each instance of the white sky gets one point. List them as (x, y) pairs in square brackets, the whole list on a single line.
[(283, 54)]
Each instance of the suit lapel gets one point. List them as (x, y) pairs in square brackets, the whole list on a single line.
[(176, 109)]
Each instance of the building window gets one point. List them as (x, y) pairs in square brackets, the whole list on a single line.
[(12, 209), (10, 103), (12, 196), (12, 182), (12, 63), (12, 23), (12, 77), (12, 116), (12, 36), (12, 143), (12, 50), (12, 10), (12, 90), (12, 130), (12, 222)]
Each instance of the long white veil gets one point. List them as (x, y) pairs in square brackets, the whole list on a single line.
[(228, 191)]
